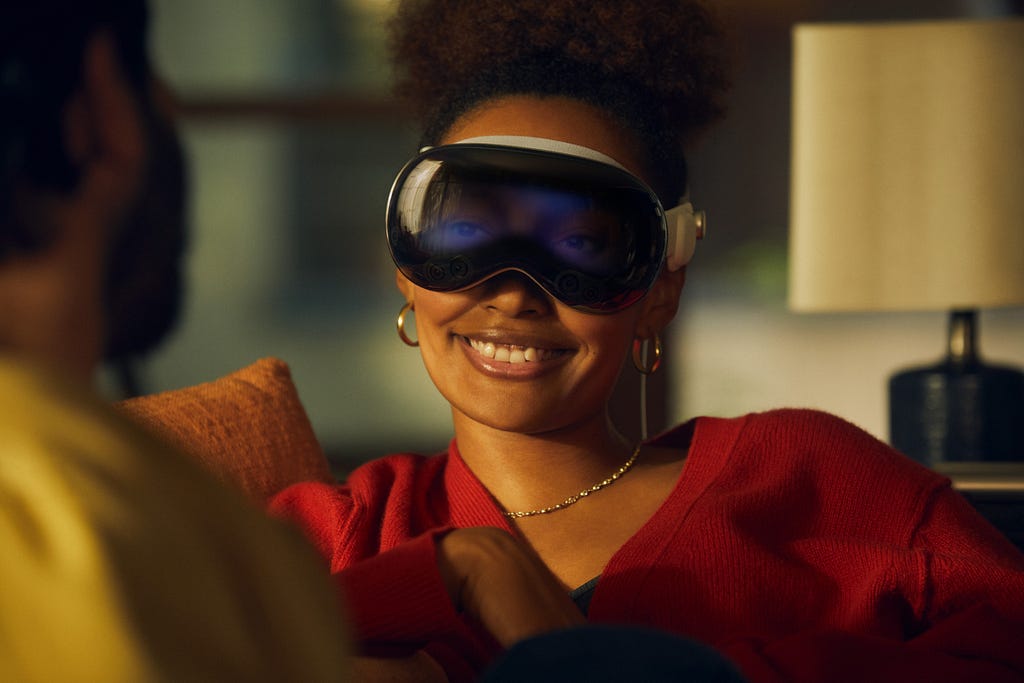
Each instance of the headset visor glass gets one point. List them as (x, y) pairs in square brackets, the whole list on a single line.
[(590, 234)]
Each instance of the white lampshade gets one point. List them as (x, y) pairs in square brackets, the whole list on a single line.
[(907, 166)]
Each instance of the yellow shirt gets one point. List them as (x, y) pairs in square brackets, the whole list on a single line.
[(121, 560)]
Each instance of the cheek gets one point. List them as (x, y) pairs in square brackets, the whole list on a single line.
[(605, 334), (610, 356), (435, 311), (607, 343), (434, 315)]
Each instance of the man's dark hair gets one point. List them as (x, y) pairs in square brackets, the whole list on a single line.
[(42, 49), (42, 43)]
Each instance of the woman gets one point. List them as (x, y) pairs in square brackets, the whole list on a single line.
[(540, 242)]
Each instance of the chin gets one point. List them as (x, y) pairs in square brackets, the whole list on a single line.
[(533, 420)]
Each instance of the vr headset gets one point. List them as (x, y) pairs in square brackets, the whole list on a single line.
[(576, 222)]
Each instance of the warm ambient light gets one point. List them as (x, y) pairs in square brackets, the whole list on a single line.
[(908, 194)]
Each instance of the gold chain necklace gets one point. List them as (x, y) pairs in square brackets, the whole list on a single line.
[(572, 500)]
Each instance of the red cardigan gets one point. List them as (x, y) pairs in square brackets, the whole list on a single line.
[(795, 543)]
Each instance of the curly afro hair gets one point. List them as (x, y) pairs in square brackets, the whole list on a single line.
[(658, 67)]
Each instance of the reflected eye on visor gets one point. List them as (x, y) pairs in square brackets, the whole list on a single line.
[(589, 233)]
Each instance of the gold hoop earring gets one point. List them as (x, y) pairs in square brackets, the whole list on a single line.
[(638, 360), (400, 324)]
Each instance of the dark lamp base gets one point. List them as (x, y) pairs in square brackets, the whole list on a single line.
[(958, 412)]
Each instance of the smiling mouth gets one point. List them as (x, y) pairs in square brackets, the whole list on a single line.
[(512, 353)]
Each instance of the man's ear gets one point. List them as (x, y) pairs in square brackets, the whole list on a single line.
[(103, 129), (661, 303), (404, 286)]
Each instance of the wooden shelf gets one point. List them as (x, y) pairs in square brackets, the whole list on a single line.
[(985, 477), (995, 489)]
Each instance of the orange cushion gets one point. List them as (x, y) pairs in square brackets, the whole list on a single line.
[(248, 427)]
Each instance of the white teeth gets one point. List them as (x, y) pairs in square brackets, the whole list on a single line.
[(507, 353)]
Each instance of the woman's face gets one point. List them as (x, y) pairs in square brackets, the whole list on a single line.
[(506, 354)]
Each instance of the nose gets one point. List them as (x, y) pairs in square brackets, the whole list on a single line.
[(514, 294)]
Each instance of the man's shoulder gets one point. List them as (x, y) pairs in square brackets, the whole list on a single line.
[(45, 417), (62, 443), (100, 516)]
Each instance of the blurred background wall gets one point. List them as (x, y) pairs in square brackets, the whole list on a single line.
[(294, 142)]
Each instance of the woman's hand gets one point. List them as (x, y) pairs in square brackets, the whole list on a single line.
[(503, 584)]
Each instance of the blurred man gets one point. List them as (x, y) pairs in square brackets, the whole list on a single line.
[(121, 559)]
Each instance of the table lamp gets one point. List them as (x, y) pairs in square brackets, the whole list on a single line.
[(908, 194)]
